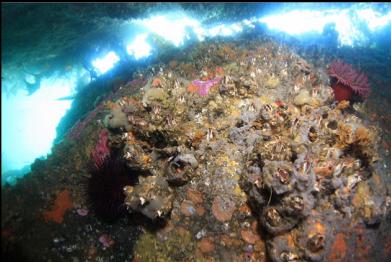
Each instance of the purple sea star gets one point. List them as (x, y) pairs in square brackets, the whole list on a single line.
[(204, 86)]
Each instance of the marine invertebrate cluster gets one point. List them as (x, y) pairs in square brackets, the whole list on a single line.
[(266, 166), (152, 197), (347, 81), (329, 155), (179, 171), (288, 152)]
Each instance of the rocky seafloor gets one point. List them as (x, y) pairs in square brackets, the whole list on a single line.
[(232, 151)]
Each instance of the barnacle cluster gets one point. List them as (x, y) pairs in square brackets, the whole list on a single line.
[(268, 132), (152, 197)]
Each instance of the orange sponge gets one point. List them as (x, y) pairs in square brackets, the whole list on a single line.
[(61, 205)]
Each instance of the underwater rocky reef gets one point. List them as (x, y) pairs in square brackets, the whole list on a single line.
[(229, 151)]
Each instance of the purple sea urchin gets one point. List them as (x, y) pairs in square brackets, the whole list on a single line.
[(105, 188)]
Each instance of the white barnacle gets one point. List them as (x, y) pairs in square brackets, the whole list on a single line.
[(284, 72), (268, 107), (355, 119), (124, 136), (142, 200), (357, 164), (338, 169), (318, 121), (131, 119), (198, 118), (314, 92), (252, 75), (173, 122), (288, 256), (329, 152), (316, 186), (128, 155), (251, 108), (156, 110), (128, 189), (201, 234), (241, 103), (226, 79), (182, 99), (353, 180), (306, 167), (176, 84), (296, 122), (159, 213), (209, 135), (279, 147)]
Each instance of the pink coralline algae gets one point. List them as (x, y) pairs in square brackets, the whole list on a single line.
[(77, 129), (348, 81), (136, 83), (204, 86), (101, 151)]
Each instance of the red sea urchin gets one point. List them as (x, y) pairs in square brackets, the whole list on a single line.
[(105, 188), (347, 80)]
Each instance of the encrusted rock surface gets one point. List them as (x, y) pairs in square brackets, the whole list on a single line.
[(244, 170), (268, 135)]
